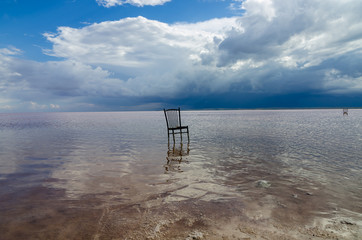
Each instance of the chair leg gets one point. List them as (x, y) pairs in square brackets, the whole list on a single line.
[(173, 135), (181, 134), (188, 136), (168, 137)]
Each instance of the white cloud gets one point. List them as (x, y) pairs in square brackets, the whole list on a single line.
[(5, 104), (135, 42), (138, 3), (37, 84), (264, 8), (37, 106), (10, 51), (304, 31), (339, 83), (5, 56), (149, 56)]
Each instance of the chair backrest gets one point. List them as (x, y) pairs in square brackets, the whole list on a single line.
[(173, 117)]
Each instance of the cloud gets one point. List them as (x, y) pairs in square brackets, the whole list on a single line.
[(10, 51), (339, 83), (295, 46), (152, 59), (136, 42), (298, 33), (53, 84), (266, 50), (275, 49), (138, 3)]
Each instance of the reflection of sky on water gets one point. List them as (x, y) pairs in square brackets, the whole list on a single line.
[(125, 155), (70, 148), (322, 140)]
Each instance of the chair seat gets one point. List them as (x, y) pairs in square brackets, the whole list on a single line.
[(180, 127)]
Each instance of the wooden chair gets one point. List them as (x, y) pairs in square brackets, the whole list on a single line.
[(173, 121)]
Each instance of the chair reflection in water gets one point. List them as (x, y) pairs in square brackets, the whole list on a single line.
[(175, 156), (174, 126)]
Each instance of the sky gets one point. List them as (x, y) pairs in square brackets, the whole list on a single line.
[(115, 55)]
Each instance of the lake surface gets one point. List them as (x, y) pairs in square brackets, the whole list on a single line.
[(244, 175)]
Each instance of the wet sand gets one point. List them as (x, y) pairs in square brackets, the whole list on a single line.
[(168, 211)]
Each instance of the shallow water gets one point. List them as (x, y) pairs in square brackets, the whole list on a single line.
[(98, 175)]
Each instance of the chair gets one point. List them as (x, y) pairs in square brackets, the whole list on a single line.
[(173, 121)]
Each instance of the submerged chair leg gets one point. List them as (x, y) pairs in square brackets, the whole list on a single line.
[(173, 135)]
